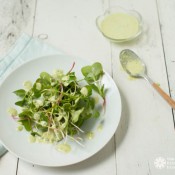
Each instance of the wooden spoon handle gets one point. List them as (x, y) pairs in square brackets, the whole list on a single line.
[(170, 101)]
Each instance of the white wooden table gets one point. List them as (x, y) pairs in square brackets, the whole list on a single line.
[(146, 129)]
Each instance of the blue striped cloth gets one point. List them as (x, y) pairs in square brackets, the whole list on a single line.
[(26, 48)]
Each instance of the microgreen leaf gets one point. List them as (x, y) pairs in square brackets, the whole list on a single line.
[(20, 93), (27, 124), (92, 102), (96, 114), (67, 106), (89, 89), (45, 76), (25, 114), (76, 114), (95, 88), (92, 73), (34, 134), (86, 70), (97, 70), (20, 103)]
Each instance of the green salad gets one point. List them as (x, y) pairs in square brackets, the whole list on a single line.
[(56, 105)]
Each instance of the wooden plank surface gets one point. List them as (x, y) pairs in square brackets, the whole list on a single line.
[(16, 17), (8, 160), (167, 16), (70, 26), (22, 22), (146, 130)]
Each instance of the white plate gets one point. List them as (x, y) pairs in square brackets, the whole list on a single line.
[(46, 154)]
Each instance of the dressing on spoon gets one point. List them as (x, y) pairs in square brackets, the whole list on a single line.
[(135, 67)]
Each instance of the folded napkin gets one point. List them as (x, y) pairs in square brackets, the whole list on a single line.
[(26, 48)]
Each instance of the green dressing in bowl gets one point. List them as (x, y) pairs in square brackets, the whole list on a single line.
[(120, 26)]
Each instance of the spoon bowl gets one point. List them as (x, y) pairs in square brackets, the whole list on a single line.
[(132, 64)]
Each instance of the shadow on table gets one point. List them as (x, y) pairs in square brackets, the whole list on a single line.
[(124, 122)]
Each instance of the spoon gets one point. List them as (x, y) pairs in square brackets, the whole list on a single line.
[(136, 68)]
